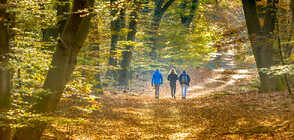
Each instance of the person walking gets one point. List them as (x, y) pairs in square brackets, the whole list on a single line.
[(157, 80), (173, 77), (184, 81)]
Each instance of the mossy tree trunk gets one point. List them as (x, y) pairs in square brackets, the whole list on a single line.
[(96, 53), (127, 55), (63, 63), (261, 38), (5, 130), (116, 25)]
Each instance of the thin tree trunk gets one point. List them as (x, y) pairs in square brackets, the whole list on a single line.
[(288, 46), (127, 55), (281, 52), (115, 30), (159, 10), (264, 52), (282, 59), (292, 9), (122, 17), (5, 131), (63, 63), (96, 49), (290, 36)]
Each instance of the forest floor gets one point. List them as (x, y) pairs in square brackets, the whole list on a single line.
[(219, 105)]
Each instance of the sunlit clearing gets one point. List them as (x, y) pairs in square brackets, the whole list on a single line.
[(219, 70), (238, 76), (179, 136)]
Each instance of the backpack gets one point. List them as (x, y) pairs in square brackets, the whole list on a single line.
[(184, 79)]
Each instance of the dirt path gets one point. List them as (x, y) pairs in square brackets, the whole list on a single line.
[(206, 82), (238, 116)]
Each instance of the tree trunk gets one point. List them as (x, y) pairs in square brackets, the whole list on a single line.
[(127, 55), (62, 13), (122, 17), (292, 9), (186, 19), (63, 8), (115, 30), (63, 63), (96, 48), (261, 41), (98, 86), (159, 10), (5, 131)]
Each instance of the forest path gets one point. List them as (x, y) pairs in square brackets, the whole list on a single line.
[(206, 82), (236, 116), (214, 117)]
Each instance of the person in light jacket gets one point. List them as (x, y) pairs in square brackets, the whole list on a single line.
[(157, 80)]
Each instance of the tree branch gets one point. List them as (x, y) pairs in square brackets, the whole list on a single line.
[(165, 7)]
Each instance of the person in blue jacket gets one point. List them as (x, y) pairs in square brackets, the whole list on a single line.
[(157, 80), (184, 81)]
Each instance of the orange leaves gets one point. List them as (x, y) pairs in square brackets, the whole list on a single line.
[(128, 117), (211, 117)]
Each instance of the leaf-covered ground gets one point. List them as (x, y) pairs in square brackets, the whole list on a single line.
[(205, 114)]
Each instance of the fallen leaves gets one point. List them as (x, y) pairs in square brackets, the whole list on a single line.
[(229, 116), (242, 116)]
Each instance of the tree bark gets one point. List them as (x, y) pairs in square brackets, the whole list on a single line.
[(127, 55), (62, 13), (186, 19), (63, 63), (96, 49), (159, 10), (261, 42), (63, 8), (292, 9), (116, 24), (4, 73)]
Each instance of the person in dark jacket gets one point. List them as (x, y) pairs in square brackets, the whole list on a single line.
[(173, 77), (184, 81), (157, 80)]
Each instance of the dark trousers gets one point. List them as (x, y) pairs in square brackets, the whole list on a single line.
[(173, 91), (157, 90)]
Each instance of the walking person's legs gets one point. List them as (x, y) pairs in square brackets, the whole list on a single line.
[(182, 91), (185, 91), (157, 91), (171, 91), (174, 92)]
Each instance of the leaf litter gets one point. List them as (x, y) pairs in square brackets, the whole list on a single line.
[(210, 115)]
